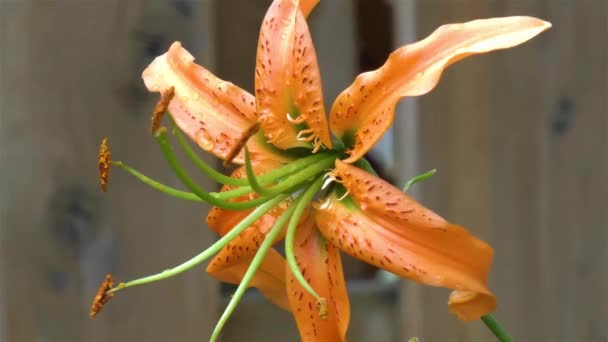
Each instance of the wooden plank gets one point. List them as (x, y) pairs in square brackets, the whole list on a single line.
[(71, 75), (517, 138)]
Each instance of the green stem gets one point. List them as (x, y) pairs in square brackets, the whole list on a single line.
[(494, 326), (418, 179), (157, 185), (223, 179), (204, 167), (211, 250), (161, 138), (291, 181), (300, 206), (252, 179), (253, 267)]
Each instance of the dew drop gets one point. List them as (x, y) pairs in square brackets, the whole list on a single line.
[(204, 140)]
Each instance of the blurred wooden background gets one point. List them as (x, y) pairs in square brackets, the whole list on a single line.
[(520, 139)]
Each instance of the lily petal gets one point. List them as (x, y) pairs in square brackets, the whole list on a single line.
[(231, 263), (381, 225), (288, 85), (321, 265), (307, 6), (215, 114), (365, 110)]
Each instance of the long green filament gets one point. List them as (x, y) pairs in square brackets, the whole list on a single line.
[(223, 179), (161, 138), (157, 185), (251, 178), (211, 250), (204, 167), (300, 206), (291, 181), (253, 267), (501, 334)]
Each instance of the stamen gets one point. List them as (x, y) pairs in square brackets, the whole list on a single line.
[(104, 163), (322, 308), (291, 182), (239, 146), (327, 182), (305, 135), (188, 196), (253, 182), (344, 196), (297, 120), (161, 108), (102, 296), (201, 164), (211, 250), (253, 268), (161, 138), (300, 207)]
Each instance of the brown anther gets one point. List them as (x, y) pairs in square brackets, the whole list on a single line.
[(161, 108), (102, 297), (322, 308), (241, 143), (104, 162)]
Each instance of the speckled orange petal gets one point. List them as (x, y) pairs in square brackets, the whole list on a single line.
[(269, 279), (321, 265), (214, 113), (307, 6), (365, 110), (381, 225), (289, 98)]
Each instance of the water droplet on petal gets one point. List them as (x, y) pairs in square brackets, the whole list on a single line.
[(204, 140)]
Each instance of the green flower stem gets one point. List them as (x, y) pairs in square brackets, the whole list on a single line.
[(161, 138), (210, 251), (501, 334), (253, 267), (292, 181), (418, 179), (300, 206), (157, 185)]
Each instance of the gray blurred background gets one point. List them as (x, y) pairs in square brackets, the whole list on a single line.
[(520, 139)]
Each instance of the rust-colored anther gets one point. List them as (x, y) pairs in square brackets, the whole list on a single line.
[(241, 143), (322, 308), (161, 108), (102, 297), (104, 163)]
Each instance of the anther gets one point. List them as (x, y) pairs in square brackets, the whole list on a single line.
[(241, 143), (104, 162), (161, 108), (102, 297), (322, 308)]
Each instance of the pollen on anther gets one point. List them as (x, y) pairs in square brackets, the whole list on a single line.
[(102, 297), (161, 108), (322, 308), (104, 163)]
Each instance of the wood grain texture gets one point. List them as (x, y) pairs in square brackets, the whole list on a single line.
[(519, 138), (70, 74)]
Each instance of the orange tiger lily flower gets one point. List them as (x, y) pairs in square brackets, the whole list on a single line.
[(358, 213)]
